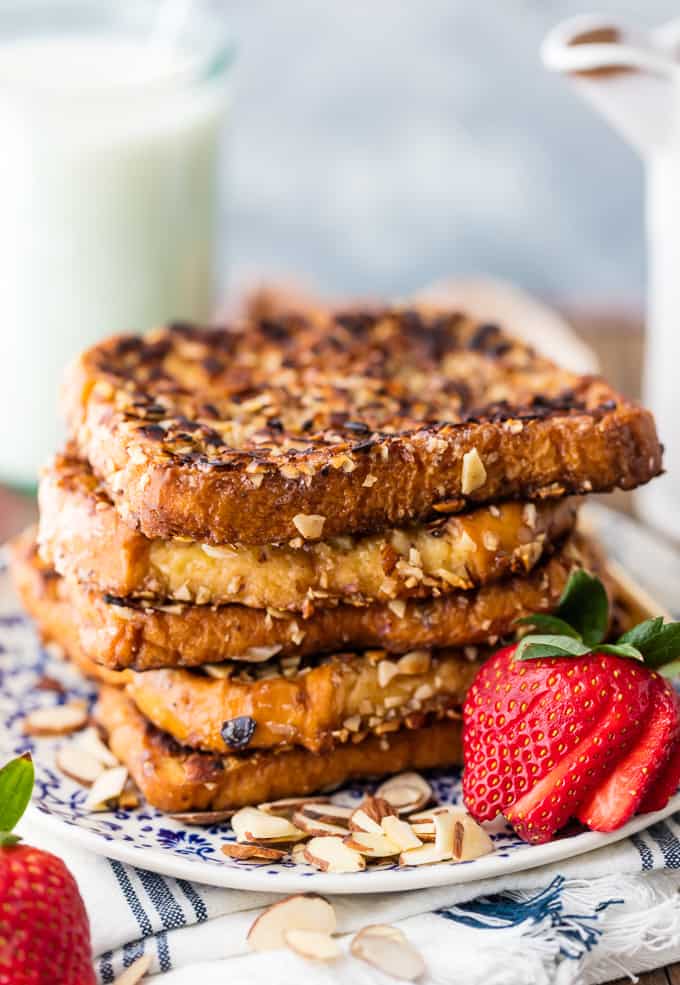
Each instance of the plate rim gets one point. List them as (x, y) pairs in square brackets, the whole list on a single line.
[(395, 880)]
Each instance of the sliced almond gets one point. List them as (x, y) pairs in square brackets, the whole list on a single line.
[(470, 840), (289, 805), (91, 742), (390, 952), (415, 662), (106, 788), (78, 764), (473, 473), (400, 833), (330, 854), (203, 817), (58, 720), (303, 911), (423, 831), (297, 853), (251, 824), (372, 845), (330, 813), (441, 850), (310, 525), (136, 971), (369, 814), (427, 816), (406, 792), (312, 944), (311, 826), (253, 852)]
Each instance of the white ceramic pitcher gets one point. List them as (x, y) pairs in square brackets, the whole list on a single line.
[(632, 77)]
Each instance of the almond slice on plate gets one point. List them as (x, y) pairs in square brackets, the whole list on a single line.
[(369, 814), (388, 950), (330, 854), (371, 844), (400, 833), (91, 742), (203, 817), (312, 944), (328, 813), (233, 850), (441, 851), (297, 853), (78, 764), (58, 720), (106, 788), (405, 792), (470, 840), (312, 827), (136, 971), (303, 911), (289, 805), (427, 815), (251, 824)]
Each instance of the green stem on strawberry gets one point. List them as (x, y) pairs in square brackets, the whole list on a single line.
[(16, 784), (579, 626)]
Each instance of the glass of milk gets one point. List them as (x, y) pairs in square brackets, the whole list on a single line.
[(110, 134)]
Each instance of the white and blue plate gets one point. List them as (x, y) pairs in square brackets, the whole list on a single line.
[(149, 839)]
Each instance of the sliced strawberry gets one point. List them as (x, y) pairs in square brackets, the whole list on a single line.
[(619, 796), (522, 717), (539, 814), (668, 779)]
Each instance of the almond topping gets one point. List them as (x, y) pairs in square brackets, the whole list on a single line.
[(400, 833), (387, 949), (473, 474), (251, 824), (368, 816), (136, 971), (387, 669), (330, 854), (255, 852), (303, 911), (58, 720), (312, 944), (372, 845), (203, 817), (78, 764), (310, 525), (415, 662), (406, 792), (106, 788)]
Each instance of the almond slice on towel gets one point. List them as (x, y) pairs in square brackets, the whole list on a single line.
[(312, 944), (387, 949), (302, 911)]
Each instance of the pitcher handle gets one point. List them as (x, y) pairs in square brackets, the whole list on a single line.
[(595, 46)]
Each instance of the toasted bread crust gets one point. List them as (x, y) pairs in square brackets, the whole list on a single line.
[(363, 420), (82, 535), (175, 779), (120, 636)]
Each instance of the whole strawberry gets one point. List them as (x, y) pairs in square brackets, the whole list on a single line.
[(44, 930), (563, 726)]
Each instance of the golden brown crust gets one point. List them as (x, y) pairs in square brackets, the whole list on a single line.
[(175, 779), (362, 419), (119, 636), (83, 537)]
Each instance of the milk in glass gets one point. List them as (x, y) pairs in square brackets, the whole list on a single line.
[(109, 148)]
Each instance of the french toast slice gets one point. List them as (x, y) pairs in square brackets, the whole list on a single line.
[(120, 634), (82, 536), (341, 423), (175, 779)]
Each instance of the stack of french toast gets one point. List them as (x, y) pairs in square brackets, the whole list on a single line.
[(283, 547)]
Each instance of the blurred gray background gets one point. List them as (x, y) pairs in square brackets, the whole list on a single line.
[(378, 144)]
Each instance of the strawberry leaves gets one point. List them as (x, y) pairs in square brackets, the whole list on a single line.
[(16, 785), (579, 625)]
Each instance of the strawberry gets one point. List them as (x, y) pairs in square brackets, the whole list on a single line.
[(619, 796), (44, 931), (563, 725)]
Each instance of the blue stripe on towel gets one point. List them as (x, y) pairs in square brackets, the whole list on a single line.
[(199, 907), (166, 905), (668, 843), (132, 899), (646, 856)]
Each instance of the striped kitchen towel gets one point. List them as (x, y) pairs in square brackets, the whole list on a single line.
[(613, 912)]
